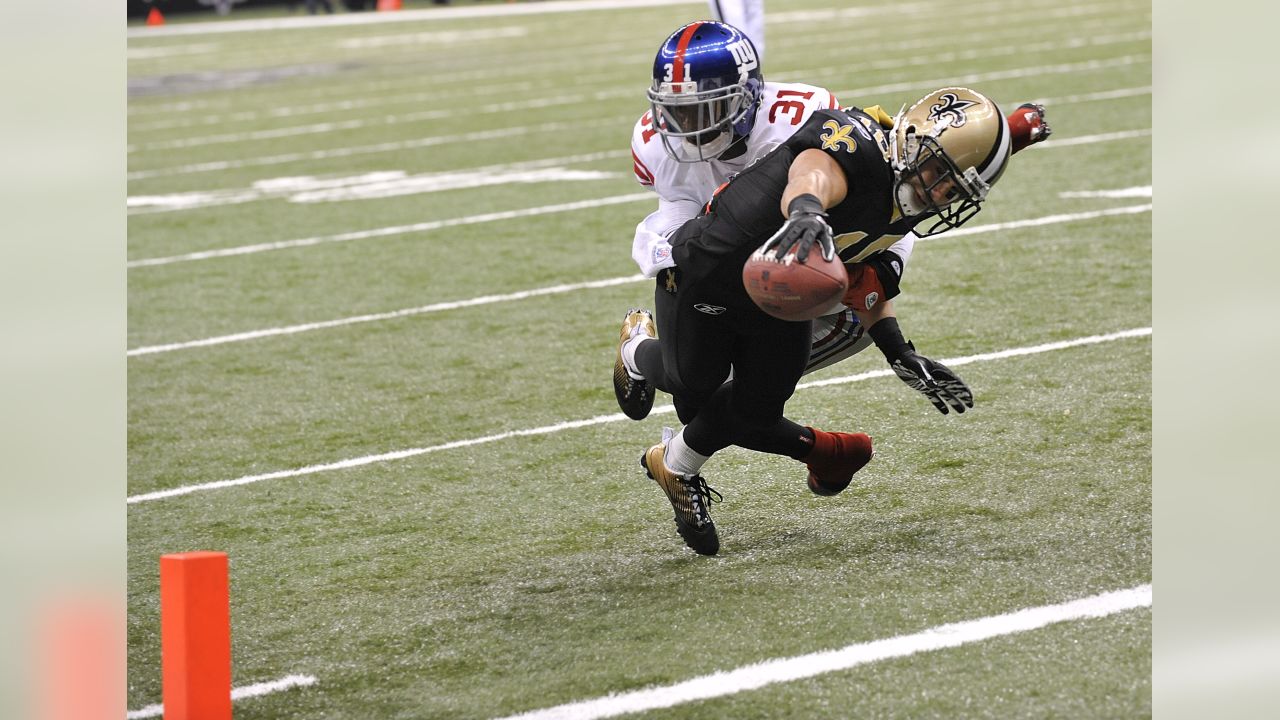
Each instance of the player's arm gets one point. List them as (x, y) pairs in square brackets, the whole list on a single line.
[(651, 247), (815, 182), (814, 173), (936, 381)]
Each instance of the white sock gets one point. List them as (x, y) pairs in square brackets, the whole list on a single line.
[(629, 355), (681, 459)]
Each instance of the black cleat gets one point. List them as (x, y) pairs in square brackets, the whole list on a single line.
[(689, 497), (635, 397)]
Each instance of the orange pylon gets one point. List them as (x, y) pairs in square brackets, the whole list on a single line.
[(195, 636), (389, 4), (154, 17)]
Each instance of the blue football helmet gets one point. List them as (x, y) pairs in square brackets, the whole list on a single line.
[(706, 90)]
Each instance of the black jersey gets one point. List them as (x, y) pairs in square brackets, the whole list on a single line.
[(746, 211)]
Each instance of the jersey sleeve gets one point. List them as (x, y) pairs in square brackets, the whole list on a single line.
[(879, 277), (642, 135), (651, 247)]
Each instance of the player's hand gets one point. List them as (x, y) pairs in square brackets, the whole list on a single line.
[(802, 230), (937, 381)]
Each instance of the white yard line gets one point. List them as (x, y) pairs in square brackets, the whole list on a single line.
[(1087, 66), (1102, 137), (256, 191), (504, 134), (383, 120), (768, 672), (392, 230), (1096, 96), (393, 315), (598, 420), (1129, 192), (240, 693), (557, 289)]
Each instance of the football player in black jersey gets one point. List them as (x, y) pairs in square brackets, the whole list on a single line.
[(848, 182)]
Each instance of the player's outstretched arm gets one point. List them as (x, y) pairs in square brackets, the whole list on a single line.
[(814, 183), (931, 378)]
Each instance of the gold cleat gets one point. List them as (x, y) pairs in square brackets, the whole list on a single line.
[(635, 397), (689, 497)]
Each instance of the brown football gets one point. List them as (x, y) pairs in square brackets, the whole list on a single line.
[(792, 290)]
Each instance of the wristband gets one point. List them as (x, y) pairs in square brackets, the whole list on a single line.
[(806, 203), (888, 337)]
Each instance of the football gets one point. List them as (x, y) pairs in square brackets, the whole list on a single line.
[(792, 290)]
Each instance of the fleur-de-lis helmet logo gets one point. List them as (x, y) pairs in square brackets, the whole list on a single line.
[(951, 109)]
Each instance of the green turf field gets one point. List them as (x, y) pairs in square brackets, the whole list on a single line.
[(441, 514)]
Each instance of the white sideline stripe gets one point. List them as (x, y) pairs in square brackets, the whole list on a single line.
[(556, 289), (768, 672), (240, 693), (373, 18), (392, 230), (598, 420)]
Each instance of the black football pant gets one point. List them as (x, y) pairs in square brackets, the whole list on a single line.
[(703, 332)]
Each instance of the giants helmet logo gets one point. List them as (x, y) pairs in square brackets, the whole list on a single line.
[(744, 55)]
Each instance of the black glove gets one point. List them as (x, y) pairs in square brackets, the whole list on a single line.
[(937, 381), (805, 226)]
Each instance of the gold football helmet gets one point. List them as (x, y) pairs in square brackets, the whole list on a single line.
[(948, 149)]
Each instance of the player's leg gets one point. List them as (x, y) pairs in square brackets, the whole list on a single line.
[(632, 390), (691, 358), (832, 458), (641, 363), (690, 361), (768, 357)]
